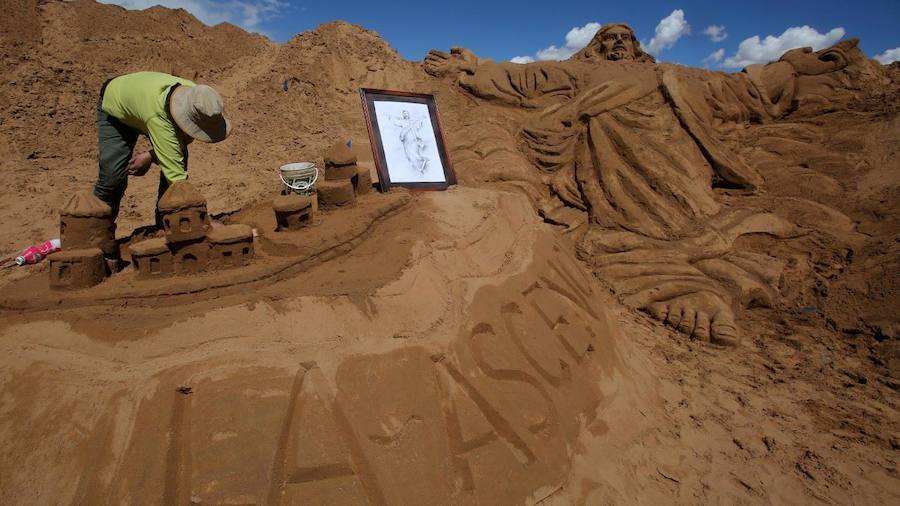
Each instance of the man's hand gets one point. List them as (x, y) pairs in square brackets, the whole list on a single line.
[(140, 164)]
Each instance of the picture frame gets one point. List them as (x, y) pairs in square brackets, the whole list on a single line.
[(407, 139)]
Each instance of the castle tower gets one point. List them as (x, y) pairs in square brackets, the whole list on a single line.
[(186, 222)]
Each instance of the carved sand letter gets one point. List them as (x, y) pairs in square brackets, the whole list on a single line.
[(498, 422), (569, 327), (318, 459), (403, 433), (499, 359), (533, 337), (178, 458), (468, 429)]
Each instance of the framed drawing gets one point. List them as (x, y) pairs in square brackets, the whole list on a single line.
[(407, 140)]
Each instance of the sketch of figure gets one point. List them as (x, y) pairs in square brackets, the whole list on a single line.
[(408, 141), (413, 144)]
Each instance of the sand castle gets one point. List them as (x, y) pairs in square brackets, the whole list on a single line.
[(87, 234), (293, 212), (152, 258), (230, 246), (344, 179), (184, 214), (191, 245), (77, 268), (340, 183), (85, 221)]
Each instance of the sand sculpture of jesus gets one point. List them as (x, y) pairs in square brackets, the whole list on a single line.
[(636, 147)]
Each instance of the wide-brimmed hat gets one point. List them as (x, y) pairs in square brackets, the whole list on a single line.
[(199, 112)]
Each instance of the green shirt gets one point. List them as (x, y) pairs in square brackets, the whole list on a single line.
[(139, 101)]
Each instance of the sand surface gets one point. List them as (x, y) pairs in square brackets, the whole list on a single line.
[(459, 347)]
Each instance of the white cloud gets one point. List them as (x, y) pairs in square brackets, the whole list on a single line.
[(554, 53), (716, 33), (715, 56), (754, 50), (248, 14), (579, 37), (576, 39), (889, 56), (668, 31)]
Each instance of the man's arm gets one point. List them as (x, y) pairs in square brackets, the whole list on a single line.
[(167, 149)]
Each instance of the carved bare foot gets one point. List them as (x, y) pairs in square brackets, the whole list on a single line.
[(701, 315)]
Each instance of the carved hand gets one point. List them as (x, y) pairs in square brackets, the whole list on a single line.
[(459, 60), (809, 63)]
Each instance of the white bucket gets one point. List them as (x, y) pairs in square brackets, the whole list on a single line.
[(300, 177)]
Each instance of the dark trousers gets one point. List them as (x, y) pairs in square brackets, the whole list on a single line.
[(115, 143)]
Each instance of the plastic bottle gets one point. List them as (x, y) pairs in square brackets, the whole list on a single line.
[(38, 252)]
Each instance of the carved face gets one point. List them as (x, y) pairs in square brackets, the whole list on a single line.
[(617, 44)]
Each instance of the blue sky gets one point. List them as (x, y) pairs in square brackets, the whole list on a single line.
[(503, 30)]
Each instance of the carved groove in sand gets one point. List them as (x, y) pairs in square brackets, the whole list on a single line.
[(643, 154)]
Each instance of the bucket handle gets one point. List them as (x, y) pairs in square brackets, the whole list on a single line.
[(302, 186)]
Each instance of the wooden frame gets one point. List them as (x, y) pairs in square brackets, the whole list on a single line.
[(404, 145)]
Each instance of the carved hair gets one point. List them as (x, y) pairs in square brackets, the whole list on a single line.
[(593, 51)]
